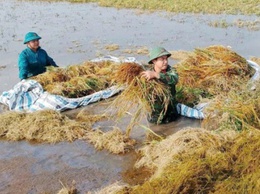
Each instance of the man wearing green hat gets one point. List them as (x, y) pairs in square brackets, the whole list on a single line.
[(163, 72), (33, 60)]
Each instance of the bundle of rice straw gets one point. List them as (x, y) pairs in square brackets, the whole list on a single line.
[(239, 109), (211, 71), (78, 80), (115, 141), (68, 189), (41, 126), (199, 161), (139, 94), (126, 72)]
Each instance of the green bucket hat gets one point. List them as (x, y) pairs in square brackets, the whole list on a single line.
[(157, 52), (31, 36)]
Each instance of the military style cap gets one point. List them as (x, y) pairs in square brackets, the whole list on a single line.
[(31, 36), (157, 52)]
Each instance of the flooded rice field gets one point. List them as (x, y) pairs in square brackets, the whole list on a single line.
[(73, 33)]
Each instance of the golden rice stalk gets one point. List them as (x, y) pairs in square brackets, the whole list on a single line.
[(41, 126), (77, 70), (68, 189), (210, 164), (52, 75), (126, 72), (141, 95), (78, 80), (239, 109), (244, 156), (255, 59), (111, 189), (179, 55), (214, 70), (107, 68), (158, 156), (114, 141), (56, 88), (84, 116)]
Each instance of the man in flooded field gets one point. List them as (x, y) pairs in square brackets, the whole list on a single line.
[(33, 60), (163, 72)]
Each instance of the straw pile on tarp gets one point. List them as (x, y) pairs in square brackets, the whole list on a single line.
[(139, 94), (200, 161), (210, 71), (239, 110), (255, 59), (203, 75), (78, 80)]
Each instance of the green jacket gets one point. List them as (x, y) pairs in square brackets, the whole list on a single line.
[(32, 63), (170, 78)]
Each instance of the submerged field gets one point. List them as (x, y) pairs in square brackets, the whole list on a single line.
[(86, 151), (219, 157)]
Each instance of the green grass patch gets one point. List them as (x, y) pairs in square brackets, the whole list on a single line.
[(243, 7)]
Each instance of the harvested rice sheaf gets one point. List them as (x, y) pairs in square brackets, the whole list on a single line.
[(115, 141), (139, 95), (68, 189), (137, 100), (255, 59), (78, 80), (126, 72), (211, 71), (200, 161), (239, 110), (41, 126)]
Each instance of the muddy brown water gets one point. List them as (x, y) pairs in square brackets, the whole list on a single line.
[(71, 34)]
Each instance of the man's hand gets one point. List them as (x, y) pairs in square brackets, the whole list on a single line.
[(150, 75)]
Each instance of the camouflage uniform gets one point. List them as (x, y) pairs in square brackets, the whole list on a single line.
[(170, 78)]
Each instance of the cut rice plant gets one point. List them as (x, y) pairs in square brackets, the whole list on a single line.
[(52, 75), (84, 116), (255, 59), (158, 156), (200, 161), (191, 96), (49, 126), (68, 189), (126, 72), (179, 55), (115, 141), (41, 126), (239, 109), (213, 70), (78, 80), (139, 96), (244, 160)]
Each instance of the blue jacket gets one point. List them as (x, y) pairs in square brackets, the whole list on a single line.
[(32, 63)]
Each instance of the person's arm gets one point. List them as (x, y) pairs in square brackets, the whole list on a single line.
[(170, 77), (50, 61), (23, 66), (150, 75)]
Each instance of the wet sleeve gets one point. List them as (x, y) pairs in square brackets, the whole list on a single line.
[(23, 66), (171, 77)]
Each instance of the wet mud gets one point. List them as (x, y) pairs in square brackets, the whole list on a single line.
[(71, 34)]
